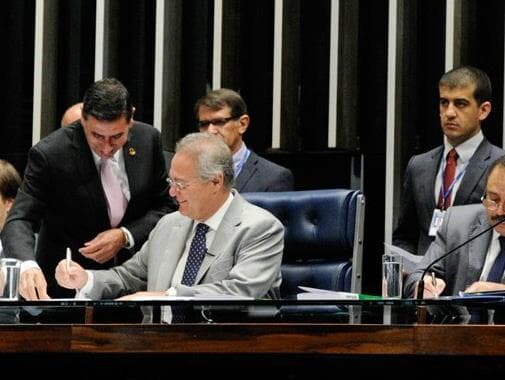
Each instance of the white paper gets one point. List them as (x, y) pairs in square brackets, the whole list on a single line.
[(324, 294)]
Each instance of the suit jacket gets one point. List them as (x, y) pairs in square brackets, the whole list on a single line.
[(464, 266), (418, 197), (62, 197), (244, 257), (260, 174)]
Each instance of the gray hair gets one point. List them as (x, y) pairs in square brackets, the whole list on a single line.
[(212, 154)]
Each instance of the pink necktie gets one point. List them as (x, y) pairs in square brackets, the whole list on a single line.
[(115, 196)]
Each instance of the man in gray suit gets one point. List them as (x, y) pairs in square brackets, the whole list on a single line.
[(465, 101), (474, 267), (242, 247), (62, 196), (223, 112)]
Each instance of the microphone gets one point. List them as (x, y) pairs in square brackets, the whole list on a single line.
[(420, 285)]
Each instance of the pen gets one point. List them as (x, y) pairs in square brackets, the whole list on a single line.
[(433, 279), (69, 258)]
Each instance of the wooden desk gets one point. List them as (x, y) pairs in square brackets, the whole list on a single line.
[(316, 339)]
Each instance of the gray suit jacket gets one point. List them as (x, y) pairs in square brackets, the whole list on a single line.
[(418, 197), (464, 266), (244, 258), (62, 196), (259, 174)]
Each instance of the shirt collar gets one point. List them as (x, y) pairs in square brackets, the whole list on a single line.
[(466, 149), (214, 221)]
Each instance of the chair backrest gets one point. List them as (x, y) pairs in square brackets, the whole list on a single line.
[(323, 242)]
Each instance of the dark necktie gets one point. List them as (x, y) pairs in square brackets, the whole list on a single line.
[(496, 272), (195, 256), (449, 172)]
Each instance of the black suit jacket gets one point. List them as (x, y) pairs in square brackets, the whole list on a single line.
[(62, 198), (418, 197), (259, 174)]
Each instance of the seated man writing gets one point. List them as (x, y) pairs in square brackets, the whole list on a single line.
[(216, 243), (479, 263)]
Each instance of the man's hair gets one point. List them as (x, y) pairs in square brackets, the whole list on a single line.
[(500, 161), (108, 100), (212, 154), (10, 180), (467, 75), (223, 97)]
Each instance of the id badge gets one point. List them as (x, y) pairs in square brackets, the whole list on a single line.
[(436, 221)]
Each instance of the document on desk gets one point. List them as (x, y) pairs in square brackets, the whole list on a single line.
[(325, 294), (210, 297)]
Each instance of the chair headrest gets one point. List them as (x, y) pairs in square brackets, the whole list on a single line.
[(318, 223)]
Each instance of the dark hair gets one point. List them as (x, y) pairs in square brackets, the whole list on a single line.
[(465, 75), (9, 180), (107, 99), (223, 97)]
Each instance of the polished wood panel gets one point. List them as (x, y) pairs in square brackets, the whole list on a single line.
[(307, 339)]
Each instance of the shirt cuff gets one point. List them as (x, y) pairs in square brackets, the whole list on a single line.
[(171, 292), (83, 292), (130, 242)]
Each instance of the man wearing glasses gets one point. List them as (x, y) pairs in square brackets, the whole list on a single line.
[(223, 112), (474, 267), (217, 243)]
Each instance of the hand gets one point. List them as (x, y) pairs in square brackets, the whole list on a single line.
[(484, 286), (134, 296), (433, 287), (70, 277), (33, 285), (104, 246)]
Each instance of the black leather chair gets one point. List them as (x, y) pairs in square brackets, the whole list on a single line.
[(323, 237)]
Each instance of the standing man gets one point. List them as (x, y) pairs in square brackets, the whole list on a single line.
[(223, 112), (217, 243), (474, 267), (97, 186), (451, 174)]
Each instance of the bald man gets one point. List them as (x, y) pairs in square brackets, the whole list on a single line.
[(73, 113)]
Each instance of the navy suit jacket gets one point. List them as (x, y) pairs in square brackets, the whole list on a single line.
[(62, 198), (418, 198), (259, 174)]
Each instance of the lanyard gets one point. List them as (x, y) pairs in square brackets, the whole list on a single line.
[(445, 193)]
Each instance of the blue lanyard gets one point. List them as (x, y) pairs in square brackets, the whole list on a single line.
[(446, 193)]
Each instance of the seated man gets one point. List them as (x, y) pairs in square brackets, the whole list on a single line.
[(71, 114), (217, 243), (223, 112), (479, 263)]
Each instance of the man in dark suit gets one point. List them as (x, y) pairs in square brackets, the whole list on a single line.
[(224, 112), (465, 101), (63, 197)]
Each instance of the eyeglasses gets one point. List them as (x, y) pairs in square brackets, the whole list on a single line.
[(219, 122), (179, 185), (490, 204)]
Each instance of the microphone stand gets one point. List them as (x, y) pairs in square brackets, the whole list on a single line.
[(420, 284)]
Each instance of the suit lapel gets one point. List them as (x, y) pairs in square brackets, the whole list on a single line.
[(225, 231), (132, 162), (428, 177), (247, 172), (475, 169), (172, 252), (477, 249), (88, 173)]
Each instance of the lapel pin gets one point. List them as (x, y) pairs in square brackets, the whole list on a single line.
[(132, 151)]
